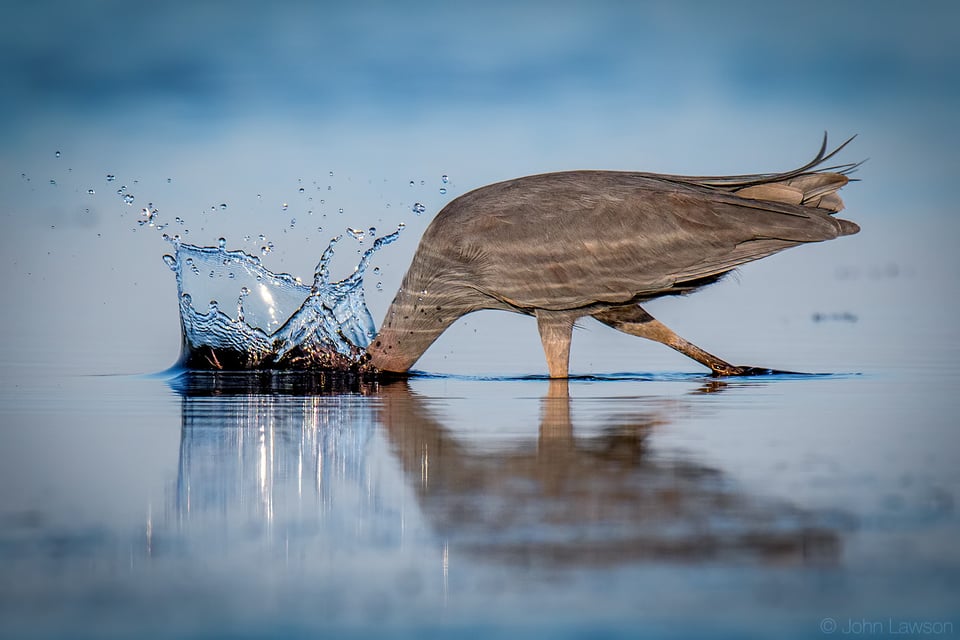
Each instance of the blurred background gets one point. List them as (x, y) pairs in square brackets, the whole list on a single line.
[(279, 125)]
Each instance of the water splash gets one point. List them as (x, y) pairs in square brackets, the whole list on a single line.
[(273, 320)]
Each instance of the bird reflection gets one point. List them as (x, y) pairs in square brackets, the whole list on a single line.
[(569, 500), (261, 449)]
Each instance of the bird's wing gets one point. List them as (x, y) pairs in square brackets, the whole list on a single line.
[(563, 241)]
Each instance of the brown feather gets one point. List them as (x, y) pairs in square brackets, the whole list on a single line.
[(774, 192)]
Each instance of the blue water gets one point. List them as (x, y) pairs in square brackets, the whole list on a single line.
[(288, 504)]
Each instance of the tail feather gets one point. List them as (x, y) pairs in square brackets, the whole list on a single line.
[(818, 190), (732, 183), (811, 185), (773, 192)]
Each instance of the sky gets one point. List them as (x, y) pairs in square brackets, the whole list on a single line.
[(365, 105)]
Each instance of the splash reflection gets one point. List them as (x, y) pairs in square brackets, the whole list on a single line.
[(272, 454)]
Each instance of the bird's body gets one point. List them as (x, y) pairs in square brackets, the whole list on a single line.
[(561, 246)]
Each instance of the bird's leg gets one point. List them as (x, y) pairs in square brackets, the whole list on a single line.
[(634, 320), (556, 331), (555, 425)]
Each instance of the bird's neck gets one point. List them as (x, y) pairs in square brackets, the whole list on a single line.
[(414, 320)]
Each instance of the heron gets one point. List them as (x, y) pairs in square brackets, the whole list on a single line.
[(568, 245)]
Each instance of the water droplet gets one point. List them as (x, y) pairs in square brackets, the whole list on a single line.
[(214, 304), (111, 177), (231, 275), (372, 231), (379, 286), (401, 225), (169, 180), (376, 270), (284, 206), (301, 189), (418, 208), (267, 248), (293, 222), (171, 261), (53, 182), (444, 178), (412, 183), (244, 291), (423, 182), (340, 210), (222, 243), (178, 220), (331, 174), (90, 192), (443, 191), (57, 154), (223, 206), (262, 237), (146, 215), (246, 238)]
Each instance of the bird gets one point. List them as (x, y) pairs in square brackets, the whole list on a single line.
[(596, 243)]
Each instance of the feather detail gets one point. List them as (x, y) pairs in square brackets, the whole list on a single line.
[(816, 190), (734, 183), (773, 192)]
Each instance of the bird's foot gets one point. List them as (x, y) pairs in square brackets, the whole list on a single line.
[(746, 371)]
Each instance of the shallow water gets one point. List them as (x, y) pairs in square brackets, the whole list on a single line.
[(295, 505)]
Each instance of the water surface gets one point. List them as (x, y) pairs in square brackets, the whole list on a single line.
[(303, 505)]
